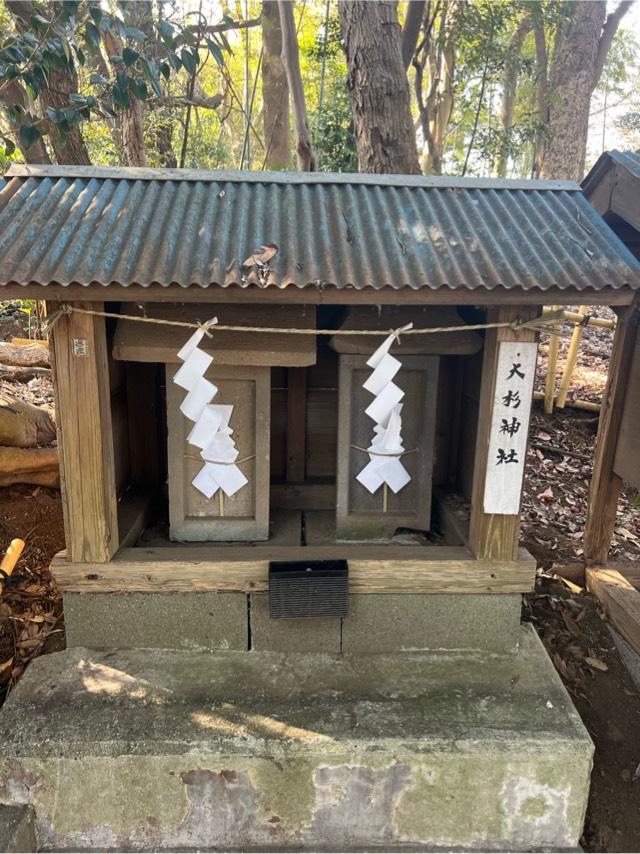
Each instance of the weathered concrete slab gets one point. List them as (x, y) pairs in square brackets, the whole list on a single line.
[(158, 750), (206, 621), (401, 622), (309, 635), (17, 829)]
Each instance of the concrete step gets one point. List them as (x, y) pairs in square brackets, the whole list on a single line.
[(164, 750)]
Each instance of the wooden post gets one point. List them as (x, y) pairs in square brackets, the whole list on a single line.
[(550, 385), (605, 483), (85, 438), (296, 424), (572, 357), (491, 535)]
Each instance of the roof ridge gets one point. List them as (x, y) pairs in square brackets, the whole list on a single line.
[(144, 173)]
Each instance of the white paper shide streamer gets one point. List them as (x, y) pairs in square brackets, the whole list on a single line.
[(211, 432), (386, 449)]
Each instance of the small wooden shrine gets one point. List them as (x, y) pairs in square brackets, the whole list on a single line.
[(413, 476)]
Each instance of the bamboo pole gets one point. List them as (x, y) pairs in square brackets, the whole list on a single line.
[(572, 358), (579, 317), (550, 385), (587, 405)]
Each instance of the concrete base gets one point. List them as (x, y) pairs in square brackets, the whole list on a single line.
[(377, 622), (162, 750)]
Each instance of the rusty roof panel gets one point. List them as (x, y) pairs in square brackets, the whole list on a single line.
[(349, 231)]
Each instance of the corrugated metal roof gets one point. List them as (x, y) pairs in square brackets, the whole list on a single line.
[(629, 159), (69, 225)]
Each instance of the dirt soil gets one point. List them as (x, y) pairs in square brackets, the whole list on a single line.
[(568, 619)]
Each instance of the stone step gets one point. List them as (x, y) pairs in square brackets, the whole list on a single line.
[(165, 750), (17, 829)]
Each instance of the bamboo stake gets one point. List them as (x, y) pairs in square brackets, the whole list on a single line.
[(11, 557), (550, 385), (572, 358)]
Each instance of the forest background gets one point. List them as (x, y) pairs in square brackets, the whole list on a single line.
[(464, 87)]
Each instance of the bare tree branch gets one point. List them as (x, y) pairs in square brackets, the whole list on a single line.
[(608, 32), (411, 30)]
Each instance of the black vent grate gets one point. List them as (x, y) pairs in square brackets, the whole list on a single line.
[(314, 588)]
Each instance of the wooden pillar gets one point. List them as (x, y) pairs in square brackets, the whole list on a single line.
[(605, 483), (85, 438), (494, 536)]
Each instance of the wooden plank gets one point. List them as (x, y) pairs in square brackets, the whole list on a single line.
[(319, 296), (493, 536), (620, 602), (306, 496), (296, 424), (160, 572), (627, 459), (462, 342), (135, 341), (85, 437), (605, 483)]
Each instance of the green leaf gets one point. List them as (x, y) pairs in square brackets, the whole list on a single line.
[(174, 61), (189, 60), (9, 146), (98, 80), (74, 98), (130, 56), (29, 134), (38, 22), (138, 88), (92, 34), (135, 33), (166, 33), (165, 70), (96, 13), (216, 52)]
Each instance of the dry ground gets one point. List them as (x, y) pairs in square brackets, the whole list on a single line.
[(569, 621)]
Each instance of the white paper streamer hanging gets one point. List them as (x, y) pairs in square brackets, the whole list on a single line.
[(211, 432), (386, 449)]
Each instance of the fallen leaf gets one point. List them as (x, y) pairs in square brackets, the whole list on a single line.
[(547, 495), (596, 663)]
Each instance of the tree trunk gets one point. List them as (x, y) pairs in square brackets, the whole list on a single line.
[(70, 149), (378, 86), (291, 62), (131, 119), (411, 30), (509, 88), (275, 90), (579, 55), (11, 95)]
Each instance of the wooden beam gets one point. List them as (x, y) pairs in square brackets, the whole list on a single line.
[(317, 296), (195, 569), (296, 424), (493, 536), (620, 602), (605, 483), (85, 438)]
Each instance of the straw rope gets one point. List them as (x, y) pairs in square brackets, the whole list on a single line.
[(548, 323)]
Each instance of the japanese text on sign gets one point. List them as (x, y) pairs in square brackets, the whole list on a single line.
[(509, 427)]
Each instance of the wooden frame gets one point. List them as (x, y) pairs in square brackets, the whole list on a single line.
[(606, 483), (193, 569)]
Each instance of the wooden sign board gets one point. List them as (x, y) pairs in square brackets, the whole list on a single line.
[(509, 427)]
